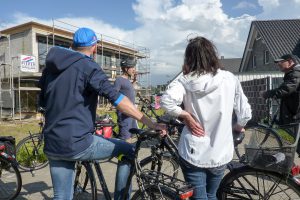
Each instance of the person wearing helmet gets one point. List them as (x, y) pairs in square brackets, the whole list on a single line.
[(125, 86)]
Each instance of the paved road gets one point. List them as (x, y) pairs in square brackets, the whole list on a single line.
[(39, 186)]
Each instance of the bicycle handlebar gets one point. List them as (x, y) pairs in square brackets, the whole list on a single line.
[(146, 133)]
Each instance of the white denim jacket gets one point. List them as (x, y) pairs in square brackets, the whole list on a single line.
[(211, 100)]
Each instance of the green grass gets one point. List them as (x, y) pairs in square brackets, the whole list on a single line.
[(20, 129), (27, 158), (285, 136)]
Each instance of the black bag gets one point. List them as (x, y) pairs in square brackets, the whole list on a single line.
[(10, 144)]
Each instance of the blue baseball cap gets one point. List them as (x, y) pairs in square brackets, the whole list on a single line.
[(84, 37)]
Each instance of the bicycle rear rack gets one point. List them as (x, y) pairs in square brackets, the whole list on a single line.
[(158, 178)]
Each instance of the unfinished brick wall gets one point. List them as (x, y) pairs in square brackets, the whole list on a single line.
[(261, 109)]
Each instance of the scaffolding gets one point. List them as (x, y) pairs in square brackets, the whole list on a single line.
[(18, 89)]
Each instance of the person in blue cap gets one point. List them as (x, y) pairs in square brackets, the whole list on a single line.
[(70, 85), (125, 86)]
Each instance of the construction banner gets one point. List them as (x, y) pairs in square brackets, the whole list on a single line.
[(28, 64)]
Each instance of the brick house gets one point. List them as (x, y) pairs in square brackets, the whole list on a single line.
[(267, 40)]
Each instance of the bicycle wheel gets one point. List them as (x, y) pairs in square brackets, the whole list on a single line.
[(154, 193), (261, 136), (164, 163), (30, 154), (84, 184), (250, 183), (10, 180)]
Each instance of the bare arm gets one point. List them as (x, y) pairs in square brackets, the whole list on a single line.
[(126, 107)]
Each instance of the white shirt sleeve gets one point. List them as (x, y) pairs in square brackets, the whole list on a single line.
[(172, 98), (241, 106)]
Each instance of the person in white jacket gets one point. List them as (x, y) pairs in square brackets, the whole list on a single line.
[(209, 95)]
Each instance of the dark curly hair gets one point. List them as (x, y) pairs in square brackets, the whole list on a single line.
[(200, 57)]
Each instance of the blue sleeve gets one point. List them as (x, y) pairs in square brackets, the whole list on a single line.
[(121, 97), (99, 82)]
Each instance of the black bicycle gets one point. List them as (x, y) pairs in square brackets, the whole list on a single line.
[(10, 177), (30, 150), (263, 172), (151, 184), (270, 133), (148, 109)]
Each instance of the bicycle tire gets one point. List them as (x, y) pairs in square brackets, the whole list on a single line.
[(265, 137), (249, 183), (168, 166), (84, 183), (154, 193), (10, 180), (30, 153)]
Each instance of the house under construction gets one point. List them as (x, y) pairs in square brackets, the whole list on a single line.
[(30, 42)]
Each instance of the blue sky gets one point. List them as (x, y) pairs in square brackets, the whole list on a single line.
[(116, 12), (160, 25)]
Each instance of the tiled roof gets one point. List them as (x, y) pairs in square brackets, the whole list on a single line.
[(281, 36), (231, 64)]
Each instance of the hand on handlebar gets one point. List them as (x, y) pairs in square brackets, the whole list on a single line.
[(162, 128), (238, 128)]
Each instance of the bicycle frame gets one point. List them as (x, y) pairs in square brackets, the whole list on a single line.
[(135, 169)]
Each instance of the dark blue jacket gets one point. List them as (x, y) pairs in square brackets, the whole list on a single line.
[(70, 85)]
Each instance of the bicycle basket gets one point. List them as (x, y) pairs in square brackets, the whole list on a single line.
[(271, 157), (277, 159), (10, 144)]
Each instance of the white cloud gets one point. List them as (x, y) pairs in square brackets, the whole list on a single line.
[(279, 9), (165, 25), (170, 27), (244, 5)]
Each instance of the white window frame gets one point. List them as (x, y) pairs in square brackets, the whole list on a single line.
[(254, 64), (267, 53)]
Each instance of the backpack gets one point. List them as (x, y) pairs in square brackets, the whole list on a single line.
[(10, 144)]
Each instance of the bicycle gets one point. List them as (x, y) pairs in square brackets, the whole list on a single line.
[(163, 158), (263, 173), (104, 125), (151, 184), (146, 108), (10, 177), (271, 133), (30, 150)]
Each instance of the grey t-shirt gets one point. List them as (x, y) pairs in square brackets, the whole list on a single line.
[(124, 86)]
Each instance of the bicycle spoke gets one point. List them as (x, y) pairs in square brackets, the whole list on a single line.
[(250, 183)]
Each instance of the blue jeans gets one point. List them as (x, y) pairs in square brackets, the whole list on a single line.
[(205, 180), (62, 170)]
